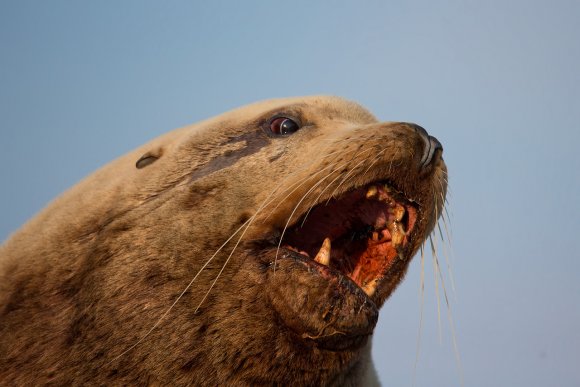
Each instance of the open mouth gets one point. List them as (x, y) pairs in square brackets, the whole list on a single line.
[(358, 235)]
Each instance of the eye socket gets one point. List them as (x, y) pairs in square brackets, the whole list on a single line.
[(283, 126)]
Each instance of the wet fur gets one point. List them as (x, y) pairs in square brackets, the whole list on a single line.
[(83, 284)]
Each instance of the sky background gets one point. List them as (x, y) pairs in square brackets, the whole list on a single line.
[(497, 82)]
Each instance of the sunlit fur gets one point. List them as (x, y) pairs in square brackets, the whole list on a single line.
[(172, 273)]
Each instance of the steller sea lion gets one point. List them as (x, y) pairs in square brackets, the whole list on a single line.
[(254, 248)]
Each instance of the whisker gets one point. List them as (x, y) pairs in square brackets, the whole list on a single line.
[(294, 211), (447, 257), (445, 216), (313, 202), (263, 205), (223, 266), (247, 223), (451, 324), (347, 176), (374, 161), (422, 304), (168, 310), (298, 185), (310, 206), (436, 279), (438, 274), (236, 245)]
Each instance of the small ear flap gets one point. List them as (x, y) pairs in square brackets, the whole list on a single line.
[(148, 158)]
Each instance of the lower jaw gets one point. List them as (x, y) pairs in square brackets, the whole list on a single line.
[(317, 305), (327, 273)]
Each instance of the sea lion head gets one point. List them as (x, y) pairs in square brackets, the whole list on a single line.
[(259, 244)]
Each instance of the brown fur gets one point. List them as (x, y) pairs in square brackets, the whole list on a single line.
[(89, 277)]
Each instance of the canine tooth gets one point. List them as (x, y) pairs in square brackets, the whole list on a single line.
[(397, 233), (375, 236), (372, 192), (371, 287), (399, 212), (397, 238), (323, 255)]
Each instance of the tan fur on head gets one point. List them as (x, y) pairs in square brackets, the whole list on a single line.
[(172, 265)]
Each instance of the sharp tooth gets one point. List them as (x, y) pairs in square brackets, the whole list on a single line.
[(375, 236), (323, 255), (397, 238), (372, 192), (397, 233), (399, 212), (371, 287)]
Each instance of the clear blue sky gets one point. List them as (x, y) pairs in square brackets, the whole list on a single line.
[(498, 82)]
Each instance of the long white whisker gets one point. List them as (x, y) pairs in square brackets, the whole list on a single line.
[(297, 186), (224, 265), (178, 297), (451, 324), (354, 168), (447, 260), (436, 278), (294, 211), (422, 307), (347, 176), (264, 204), (316, 200), (247, 223)]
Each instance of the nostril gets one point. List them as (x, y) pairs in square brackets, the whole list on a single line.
[(431, 146), (435, 143)]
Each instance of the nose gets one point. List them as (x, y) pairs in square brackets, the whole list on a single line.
[(431, 145)]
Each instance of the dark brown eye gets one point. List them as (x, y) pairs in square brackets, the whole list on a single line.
[(283, 126)]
